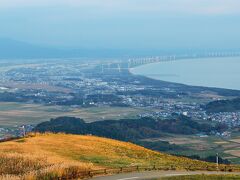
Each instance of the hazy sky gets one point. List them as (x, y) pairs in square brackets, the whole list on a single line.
[(138, 24)]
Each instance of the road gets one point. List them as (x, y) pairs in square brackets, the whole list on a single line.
[(154, 175)]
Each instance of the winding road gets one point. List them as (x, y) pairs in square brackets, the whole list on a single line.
[(155, 174)]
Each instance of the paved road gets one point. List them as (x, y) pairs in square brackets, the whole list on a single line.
[(154, 174)]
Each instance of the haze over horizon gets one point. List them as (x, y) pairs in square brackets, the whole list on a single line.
[(135, 24)]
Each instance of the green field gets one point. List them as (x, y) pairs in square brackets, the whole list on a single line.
[(205, 146), (13, 114)]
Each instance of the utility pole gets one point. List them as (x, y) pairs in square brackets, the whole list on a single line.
[(217, 160)]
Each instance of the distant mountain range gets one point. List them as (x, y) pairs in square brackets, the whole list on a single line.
[(16, 49), (12, 49)]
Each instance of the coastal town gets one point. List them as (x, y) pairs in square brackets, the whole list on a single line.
[(95, 84)]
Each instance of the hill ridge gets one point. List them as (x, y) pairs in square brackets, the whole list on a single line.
[(51, 154)]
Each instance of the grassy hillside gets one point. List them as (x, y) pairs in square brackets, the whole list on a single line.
[(41, 155)]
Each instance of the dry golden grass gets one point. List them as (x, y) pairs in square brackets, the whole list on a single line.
[(54, 155)]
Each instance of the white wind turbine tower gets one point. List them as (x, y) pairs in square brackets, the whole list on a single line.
[(119, 68), (129, 63)]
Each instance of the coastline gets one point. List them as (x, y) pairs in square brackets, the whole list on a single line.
[(165, 76)]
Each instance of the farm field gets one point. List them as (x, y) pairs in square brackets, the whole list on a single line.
[(14, 114), (205, 146)]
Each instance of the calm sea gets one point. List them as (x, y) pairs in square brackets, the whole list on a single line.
[(208, 72)]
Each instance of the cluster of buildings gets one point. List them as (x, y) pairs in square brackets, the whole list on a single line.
[(86, 84), (231, 119)]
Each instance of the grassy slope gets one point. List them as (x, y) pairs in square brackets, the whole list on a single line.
[(48, 152)]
